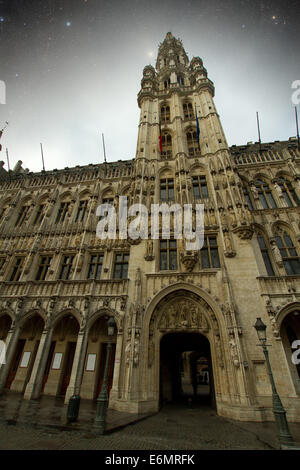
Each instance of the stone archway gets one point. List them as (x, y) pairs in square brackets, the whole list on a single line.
[(290, 333), (95, 357), (181, 313), (25, 353), (57, 373)]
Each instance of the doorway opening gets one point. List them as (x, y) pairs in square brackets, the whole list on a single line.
[(186, 370)]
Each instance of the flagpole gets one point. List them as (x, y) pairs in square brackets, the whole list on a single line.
[(297, 127), (257, 119), (8, 164), (104, 153), (42, 157), (198, 128)]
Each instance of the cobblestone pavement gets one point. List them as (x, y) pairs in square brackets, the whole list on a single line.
[(175, 427)]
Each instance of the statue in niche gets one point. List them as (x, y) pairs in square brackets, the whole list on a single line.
[(233, 351), (70, 208), (136, 348), (149, 251), (241, 214), (276, 253), (128, 350), (194, 317), (227, 241), (278, 189), (83, 323), (254, 191), (213, 217), (183, 315), (219, 354), (172, 317), (232, 217), (223, 217), (163, 321)]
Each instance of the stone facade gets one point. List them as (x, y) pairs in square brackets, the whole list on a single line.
[(59, 282)]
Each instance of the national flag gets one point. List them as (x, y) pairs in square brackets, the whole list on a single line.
[(160, 139), (198, 128)]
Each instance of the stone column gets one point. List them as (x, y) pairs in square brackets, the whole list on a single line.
[(34, 385), (113, 396), (11, 345), (78, 363)]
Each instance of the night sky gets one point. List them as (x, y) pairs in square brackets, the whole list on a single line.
[(73, 68)]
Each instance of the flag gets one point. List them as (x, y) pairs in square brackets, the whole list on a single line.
[(198, 128), (160, 139)]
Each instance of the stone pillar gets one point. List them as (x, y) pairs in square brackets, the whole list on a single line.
[(114, 393), (34, 385), (11, 345), (78, 363)]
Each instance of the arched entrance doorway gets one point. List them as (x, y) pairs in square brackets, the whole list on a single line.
[(96, 353), (60, 359), (290, 332), (186, 327), (25, 353), (184, 356)]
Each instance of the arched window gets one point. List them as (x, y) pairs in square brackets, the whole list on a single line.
[(165, 114), (82, 210), (23, 214), (200, 190), (180, 80), (288, 252), (188, 111), (166, 143), (192, 144), (265, 254), (265, 194), (288, 192)]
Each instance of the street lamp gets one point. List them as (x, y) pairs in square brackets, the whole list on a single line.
[(102, 400), (284, 435)]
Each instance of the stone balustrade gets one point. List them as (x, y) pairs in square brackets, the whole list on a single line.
[(80, 288)]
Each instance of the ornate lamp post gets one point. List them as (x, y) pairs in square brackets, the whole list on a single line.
[(284, 435), (102, 400)]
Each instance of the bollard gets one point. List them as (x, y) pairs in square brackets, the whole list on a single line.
[(73, 408)]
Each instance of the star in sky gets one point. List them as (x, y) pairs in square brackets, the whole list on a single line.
[(68, 23)]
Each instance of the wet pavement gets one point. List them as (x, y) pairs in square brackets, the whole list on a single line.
[(41, 425), (51, 412)]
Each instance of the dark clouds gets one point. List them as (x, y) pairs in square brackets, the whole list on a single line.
[(73, 70)]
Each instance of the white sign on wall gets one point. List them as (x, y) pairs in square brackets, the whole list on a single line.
[(57, 361), (25, 359), (91, 361)]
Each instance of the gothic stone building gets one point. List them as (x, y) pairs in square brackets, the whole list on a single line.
[(60, 283)]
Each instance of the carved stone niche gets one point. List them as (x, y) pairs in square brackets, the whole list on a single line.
[(189, 259)]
